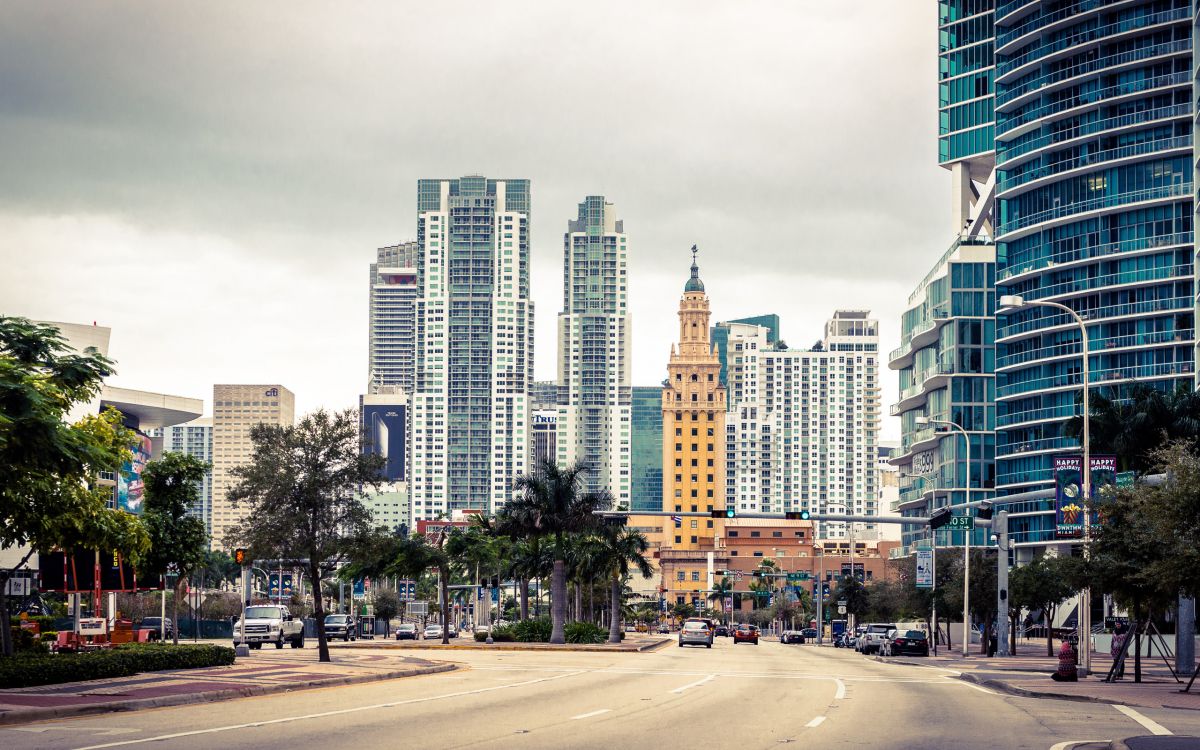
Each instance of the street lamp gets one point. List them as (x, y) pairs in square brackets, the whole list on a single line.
[(966, 640), (1016, 301)]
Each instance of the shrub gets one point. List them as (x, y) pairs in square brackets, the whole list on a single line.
[(27, 670), (532, 631), (584, 632)]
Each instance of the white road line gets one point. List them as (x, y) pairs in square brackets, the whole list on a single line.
[(691, 685), (1151, 724), (973, 686), (1068, 744), (815, 722), (323, 714), (841, 689), (590, 714)]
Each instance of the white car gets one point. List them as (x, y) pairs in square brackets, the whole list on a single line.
[(872, 640), (432, 630)]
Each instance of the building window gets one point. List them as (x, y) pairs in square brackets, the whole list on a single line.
[(695, 575), (678, 539), (755, 534), (758, 553), (693, 540), (733, 533), (681, 575)]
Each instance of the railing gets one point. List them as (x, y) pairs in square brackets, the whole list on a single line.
[(1069, 379), (1096, 157), (1176, 190), (1091, 66), (1114, 279), (1035, 415), (1005, 154), (1003, 125), (1004, 9), (1029, 446), (1029, 476), (1094, 314), (1003, 67), (1071, 348), (1087, 252)]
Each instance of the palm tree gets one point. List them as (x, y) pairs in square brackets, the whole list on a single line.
[(414, 556), (619, 551), (722, 590), (1135, 421), (552, 503)]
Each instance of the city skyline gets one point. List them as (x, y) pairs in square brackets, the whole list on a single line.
[(281, 239)]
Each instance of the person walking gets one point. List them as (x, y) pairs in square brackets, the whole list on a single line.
[(1066, 664), (1118, 643)]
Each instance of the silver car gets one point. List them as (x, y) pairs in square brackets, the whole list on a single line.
[(695, 633)]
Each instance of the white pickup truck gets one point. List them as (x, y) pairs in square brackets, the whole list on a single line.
[(269, 623)]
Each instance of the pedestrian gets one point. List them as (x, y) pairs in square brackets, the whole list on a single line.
[(1118, 643), (1066, 664)]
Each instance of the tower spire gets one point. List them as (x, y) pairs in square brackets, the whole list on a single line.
[(694, 284)]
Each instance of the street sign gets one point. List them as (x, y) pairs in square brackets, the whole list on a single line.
[(417, 608), (841, 610), (961, 522), (924, 568), (737, 576), (796, 577)]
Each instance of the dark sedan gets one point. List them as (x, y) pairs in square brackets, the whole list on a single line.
[(912, 642)]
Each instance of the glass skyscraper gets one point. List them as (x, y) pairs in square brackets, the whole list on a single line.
[(1094, 193), (393, 305), (646, 456), (470, 408)]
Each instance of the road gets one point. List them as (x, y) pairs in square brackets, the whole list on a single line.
[(740, 696)]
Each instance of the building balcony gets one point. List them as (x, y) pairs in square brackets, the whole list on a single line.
[(1073, 211), (1019, 268), (1031, 178), (1124, 279), (1009, 40), (1014, 10), (1044, 445), (1035, 326), (1071, 349), (1095, 377), (1011, 125), (1010, 155)]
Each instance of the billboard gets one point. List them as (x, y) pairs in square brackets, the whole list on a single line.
[(273, 585), (129, 478), (384, 431), (924, 568)]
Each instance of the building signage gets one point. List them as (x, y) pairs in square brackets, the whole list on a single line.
[(924, 568), (274, 392), (93, 626)]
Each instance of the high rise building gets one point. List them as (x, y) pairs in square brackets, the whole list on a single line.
[(646, 450), (1094, 193), (193, 438), (693, 424), (237, 409), (543, 438), (544, 395), (804, 432), (946, 363), (393, 318), (594, 350), (720, 337), (470, 406)]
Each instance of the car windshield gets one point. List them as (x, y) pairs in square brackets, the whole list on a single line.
[(262, 613), (151, 620), (694, 626), (880, 628), (407, 627), (914, 633), (336, 619)]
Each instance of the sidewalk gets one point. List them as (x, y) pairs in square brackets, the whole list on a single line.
[(262, 673), (1028, 673)]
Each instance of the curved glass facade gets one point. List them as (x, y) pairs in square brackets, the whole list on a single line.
[(1094, 210), (965, 79)]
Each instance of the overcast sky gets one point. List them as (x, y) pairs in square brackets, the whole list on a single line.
[(211, 180)]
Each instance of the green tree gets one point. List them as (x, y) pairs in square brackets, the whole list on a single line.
[(302, 496), (722, 590), (178, 542), (387, 606), (48, 497), (415, 555), (552, 503), (683, 610), (623, 553), (1134, 420), (1044, 584), (855, 594)]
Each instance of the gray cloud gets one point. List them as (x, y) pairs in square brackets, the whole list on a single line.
[(279, 143)]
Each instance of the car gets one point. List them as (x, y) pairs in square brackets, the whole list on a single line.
[(843, 640), (664, 628), (710, 624), (406, 631), (874, 637), (341, 626), (901, 642), (269, 623), (746, 633), (432, 630), (452, 630), (809, 633), (157, 626), (695, 633), (856, 638), (792, 636), (722, 631)]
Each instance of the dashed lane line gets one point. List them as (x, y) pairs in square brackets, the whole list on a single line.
[(815, 722), (590, 714), (691, 685)]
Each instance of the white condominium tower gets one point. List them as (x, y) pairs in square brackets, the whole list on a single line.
[(804, 433), (236, 409), (393, 312), (193, 438), (593, 350), (474, 344)]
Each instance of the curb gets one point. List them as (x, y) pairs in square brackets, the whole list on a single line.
[(212, 696), (509, 646), (1004, 687)]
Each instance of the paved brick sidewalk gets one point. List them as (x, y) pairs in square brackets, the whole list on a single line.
[(262, 673)]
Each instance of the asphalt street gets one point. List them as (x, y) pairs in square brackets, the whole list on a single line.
[(740, 696)]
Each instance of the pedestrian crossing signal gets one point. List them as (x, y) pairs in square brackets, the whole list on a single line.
[(240, 557)]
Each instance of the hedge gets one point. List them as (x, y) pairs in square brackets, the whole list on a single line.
[(584, 632), (28, 670)]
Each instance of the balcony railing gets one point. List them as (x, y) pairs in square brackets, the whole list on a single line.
[(1091, 66), (1007, 153), (1094, 314), (1005, 124), (1044, 444), (1005, 66), (1036, 415), (1114, 279), (1087, 252), (1096, 157), (1176, 190), (1071, 348), (1069, 379)]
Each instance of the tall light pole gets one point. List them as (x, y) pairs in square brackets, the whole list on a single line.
[(1016, 301), (966, 640)]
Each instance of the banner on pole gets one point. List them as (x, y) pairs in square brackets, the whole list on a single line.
[(1068, 497), (924, 568)]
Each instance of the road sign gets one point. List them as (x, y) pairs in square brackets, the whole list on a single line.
[(841, 610), (796, 577), (417, 608), (924, 568), (961, 522), (737, 576)]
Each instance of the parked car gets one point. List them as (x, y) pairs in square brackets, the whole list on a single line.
[(745, 633), (843, 640), (432, 630), (792, 636), (696, 633), (406, 631), (453, 631), (906, 642), (341, 626), (856, 639), (874, 637), (156, 627), (809, 633)]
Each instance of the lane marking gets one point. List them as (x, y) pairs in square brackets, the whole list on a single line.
[(1148, 723), (973, 686), (323, 714), (1068, 744), (590, 714), (691, 685), (841, 689), (815, 722)]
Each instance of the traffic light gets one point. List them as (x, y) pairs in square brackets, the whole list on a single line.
[(797, 515), (729, 512), (985, 511), (940, 518), (240, 557)]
